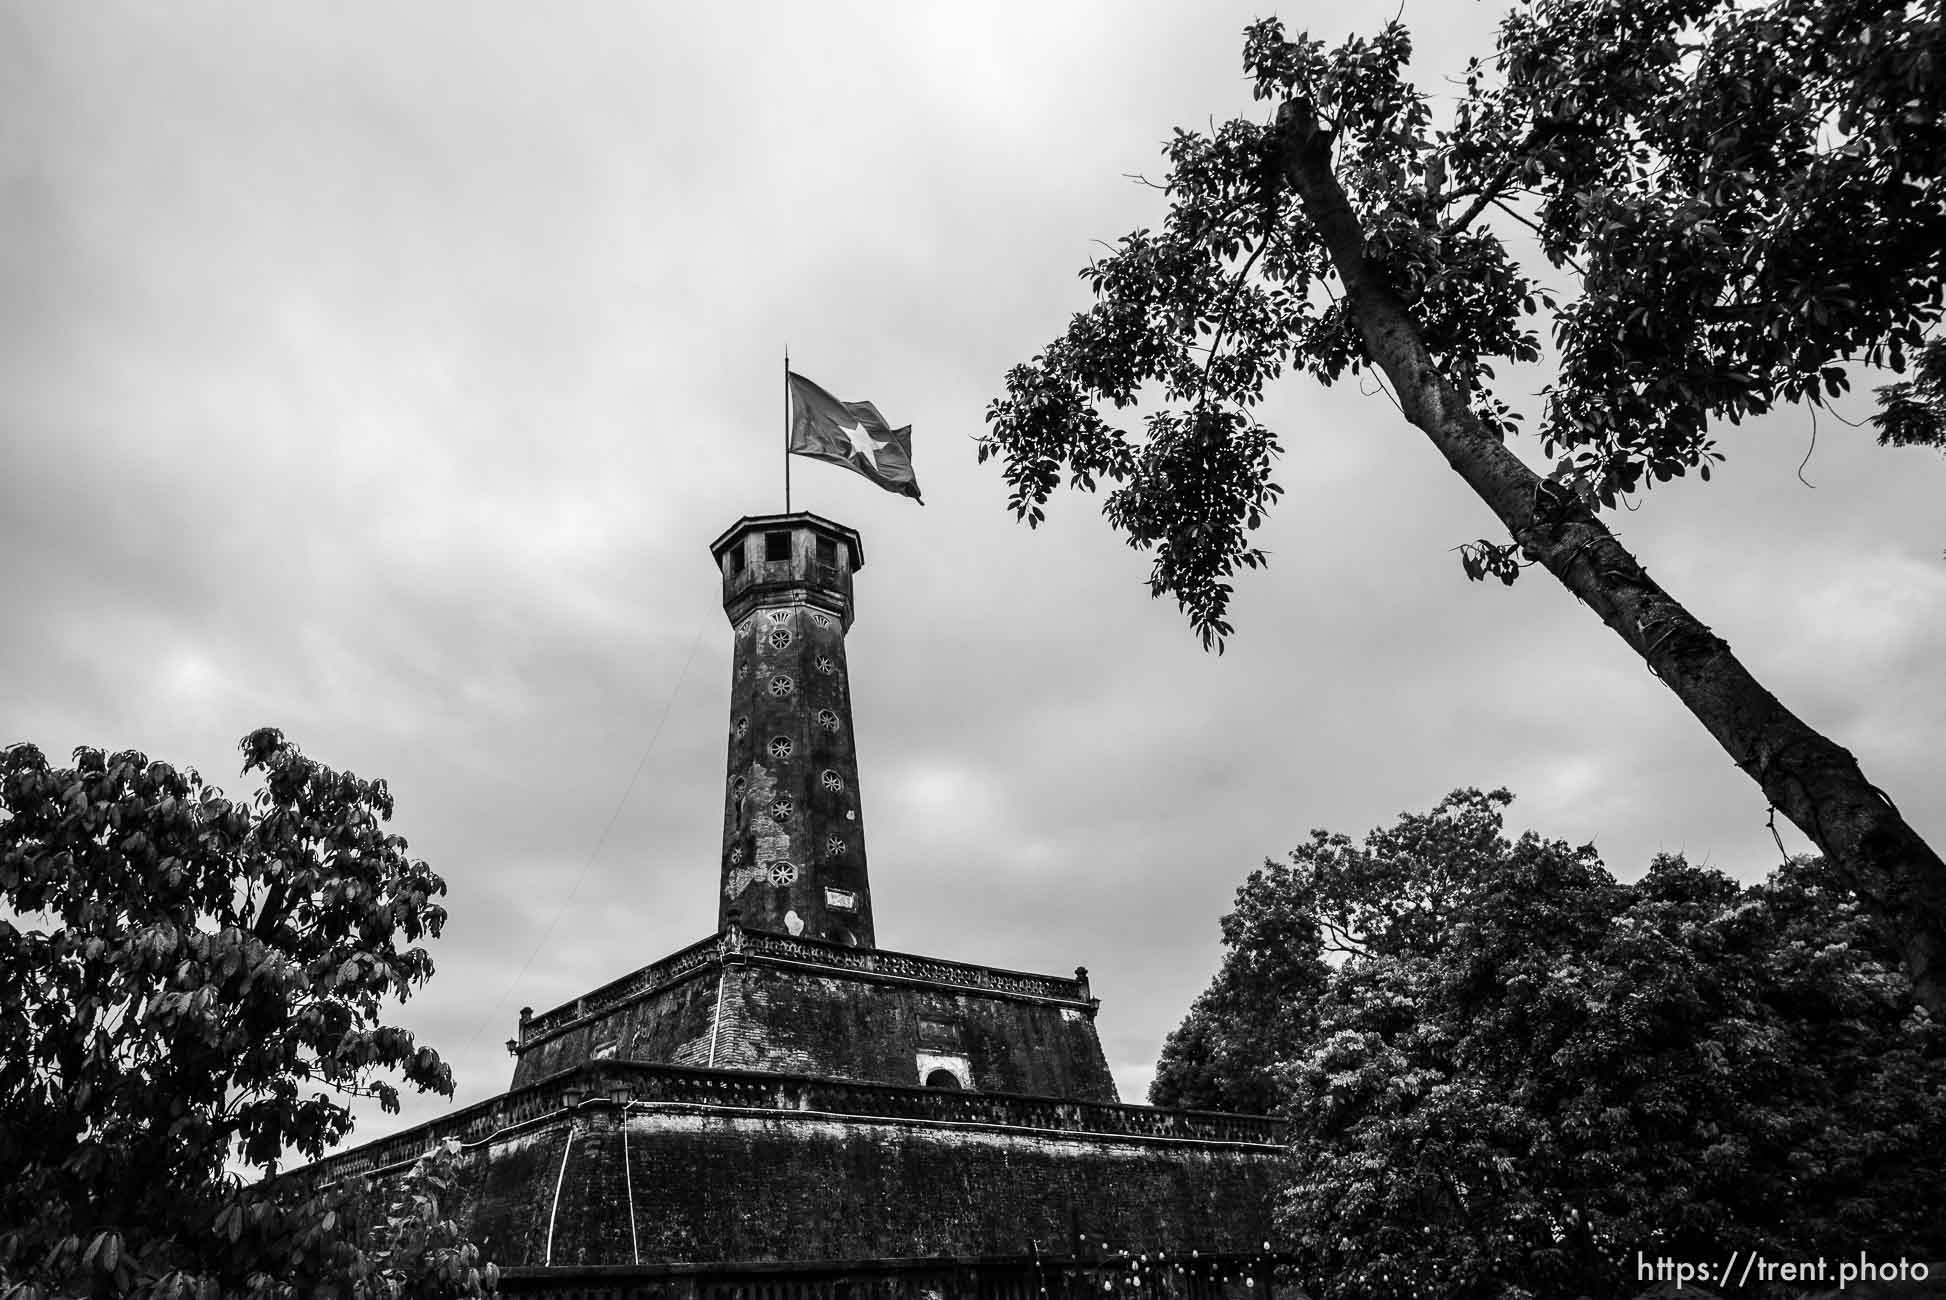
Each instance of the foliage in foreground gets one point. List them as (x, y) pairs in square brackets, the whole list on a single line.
[(1715, 207), (1738, 205), (1508, 1072), (205, 986)]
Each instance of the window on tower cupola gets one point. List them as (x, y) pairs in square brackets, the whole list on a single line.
[(827, 553), (777, 546)]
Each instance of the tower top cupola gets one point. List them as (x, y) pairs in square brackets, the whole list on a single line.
[(793, 827), (798, 557)]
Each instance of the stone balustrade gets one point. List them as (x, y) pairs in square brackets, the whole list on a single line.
[(616, 992), (932, 970), (760, 945), (630, 1083)]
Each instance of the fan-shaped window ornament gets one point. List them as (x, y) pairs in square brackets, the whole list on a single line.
[(780, 747), (825, 665), (781, 686), (743, 628), (822, 620), (828, 719), (832, 781), (782, 872), (779, 638), (742, 730), (778, 615), (780, 808), (834, 846)]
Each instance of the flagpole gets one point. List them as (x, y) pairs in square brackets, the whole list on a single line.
[(787, 428)]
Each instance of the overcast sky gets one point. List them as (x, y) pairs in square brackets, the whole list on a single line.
[(382, 372)]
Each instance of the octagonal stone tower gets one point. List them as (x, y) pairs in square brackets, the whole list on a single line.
[(793, 829)]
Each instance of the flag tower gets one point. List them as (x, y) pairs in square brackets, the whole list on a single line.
[(784, 1107), (793, 828)]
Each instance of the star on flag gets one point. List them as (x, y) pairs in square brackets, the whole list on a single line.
[(852, 434), (862, 444)]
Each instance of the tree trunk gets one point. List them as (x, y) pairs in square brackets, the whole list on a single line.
[(1810, 779)]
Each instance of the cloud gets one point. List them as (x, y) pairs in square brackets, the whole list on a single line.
[(383, 374)]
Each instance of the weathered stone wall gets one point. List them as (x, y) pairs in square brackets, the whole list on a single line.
[(795, 1021), (686, 1165), (609, 1184), (632, 1083), (801, 1007), (670, 1025), (1026, 1277)]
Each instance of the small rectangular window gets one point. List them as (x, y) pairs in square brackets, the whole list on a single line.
[(777, 546), (827, 552), (738, 559)]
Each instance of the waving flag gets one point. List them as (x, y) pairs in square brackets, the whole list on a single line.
[(852, 434)]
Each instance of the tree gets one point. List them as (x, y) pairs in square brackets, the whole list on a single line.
[(1520, 1072), (207, 962), (1744, 199), (1255, 1012), (414, 1249)]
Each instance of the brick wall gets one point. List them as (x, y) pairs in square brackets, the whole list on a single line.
[(1039, 1277), (670, 1183), (796, 1011), (813, 1022), (669, 1026)]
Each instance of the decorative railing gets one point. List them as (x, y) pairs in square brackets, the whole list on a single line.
[(632, 1083), (616, 992), (810, 952), (877, 961), (1078, 1276)]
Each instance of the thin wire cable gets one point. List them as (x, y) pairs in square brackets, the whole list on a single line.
[(594, 853), (1808, 452)]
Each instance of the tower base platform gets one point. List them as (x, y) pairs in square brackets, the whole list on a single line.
[(752, 1000), (622, 1167)]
